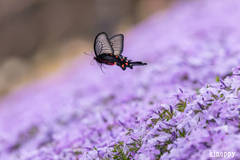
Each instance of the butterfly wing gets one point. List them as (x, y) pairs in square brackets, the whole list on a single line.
[(102, 45), (117, 44)]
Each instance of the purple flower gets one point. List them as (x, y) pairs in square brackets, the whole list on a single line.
[(236, 70), (139, 113)]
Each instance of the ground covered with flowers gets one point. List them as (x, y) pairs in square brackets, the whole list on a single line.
[(184, 103)]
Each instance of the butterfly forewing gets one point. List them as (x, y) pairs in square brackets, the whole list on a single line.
[(102, 45), (117, 43)]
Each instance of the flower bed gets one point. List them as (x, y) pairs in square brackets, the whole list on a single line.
[(85, 114)]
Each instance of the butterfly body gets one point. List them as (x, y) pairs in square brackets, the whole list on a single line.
[(111, 59), (106, 59), (108, 51)]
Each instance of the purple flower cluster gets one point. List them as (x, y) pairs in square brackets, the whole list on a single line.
[(186, 126), (85, 114)]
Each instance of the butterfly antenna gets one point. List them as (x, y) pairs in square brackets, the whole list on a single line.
[(92, 53), (88, 54)]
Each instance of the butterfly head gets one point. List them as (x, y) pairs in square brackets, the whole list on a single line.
[(96, 59)]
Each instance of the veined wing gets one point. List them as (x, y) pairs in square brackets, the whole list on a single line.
[(117, 43), (102, 45)]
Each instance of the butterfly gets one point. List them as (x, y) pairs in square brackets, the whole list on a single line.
[(108, 51)]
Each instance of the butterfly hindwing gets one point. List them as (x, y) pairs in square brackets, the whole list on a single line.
[(102, 45), (117, 43)]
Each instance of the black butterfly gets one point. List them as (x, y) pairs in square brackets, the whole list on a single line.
[(108, 51)]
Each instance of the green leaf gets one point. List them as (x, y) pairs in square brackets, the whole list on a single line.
[(197, 111), (217, 79)]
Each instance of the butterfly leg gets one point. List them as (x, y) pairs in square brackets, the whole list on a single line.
[(102, 69), (104, 66), (100, 65)]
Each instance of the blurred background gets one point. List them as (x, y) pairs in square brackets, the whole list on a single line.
[(39, 37)]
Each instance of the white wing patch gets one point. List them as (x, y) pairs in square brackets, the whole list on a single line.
[(117, 44), (102, 45)]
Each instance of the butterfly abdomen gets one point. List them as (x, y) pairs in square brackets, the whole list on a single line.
[(124, 63)]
